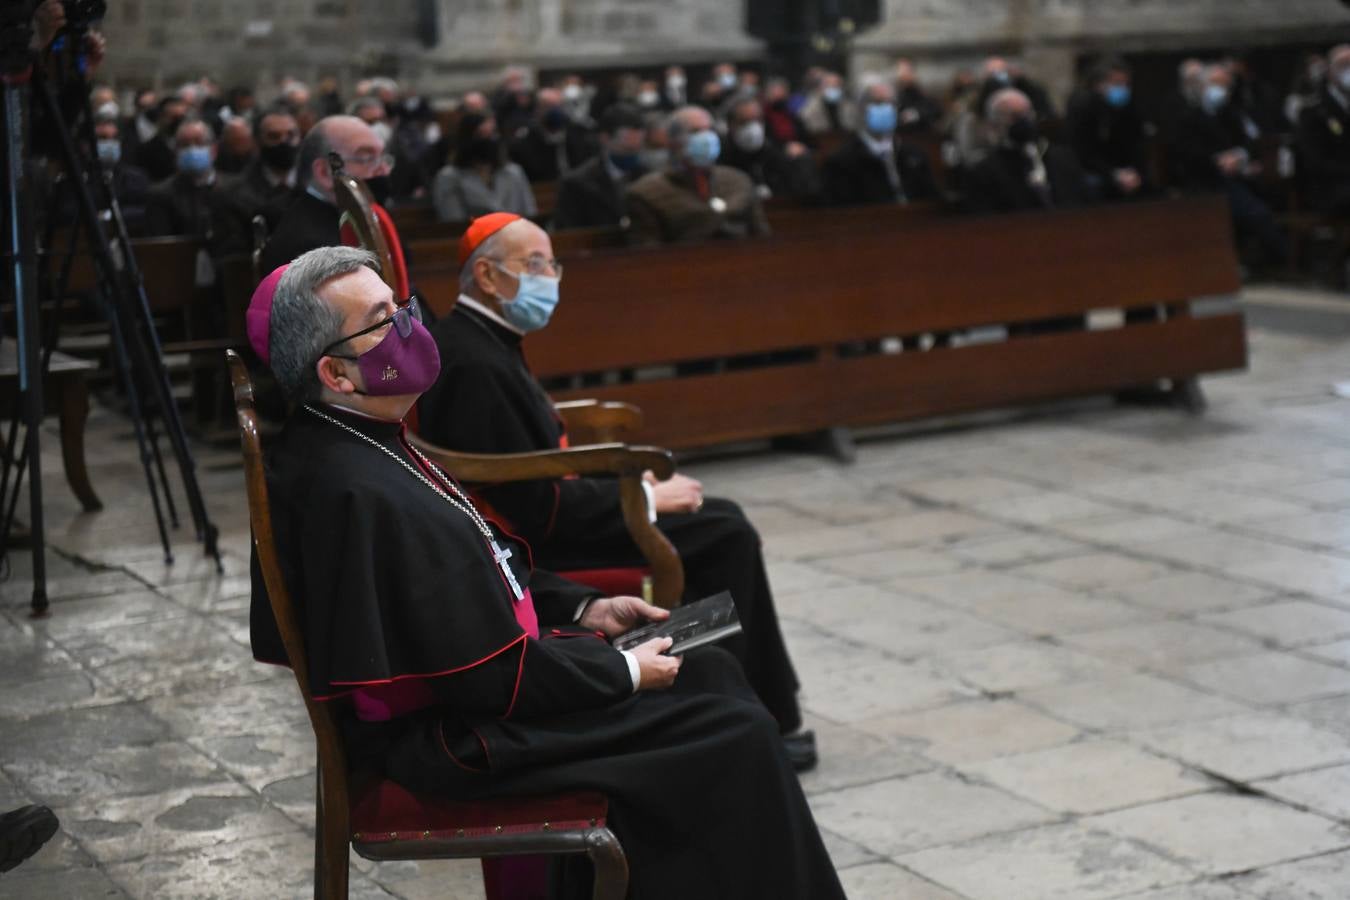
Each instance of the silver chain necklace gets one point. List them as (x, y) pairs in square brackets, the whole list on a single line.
[(459, 501)]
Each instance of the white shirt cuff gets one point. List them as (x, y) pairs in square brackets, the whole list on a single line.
[(581, 608), (634, 670), (651, 502)]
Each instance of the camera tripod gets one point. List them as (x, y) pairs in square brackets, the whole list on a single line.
[(136, 352)]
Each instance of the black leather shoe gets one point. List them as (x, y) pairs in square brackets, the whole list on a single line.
[(801, 750), (22, 832)]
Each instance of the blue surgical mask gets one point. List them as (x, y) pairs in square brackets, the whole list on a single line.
[(109, 151), (194, 160), (1214, 97), (1117, 95), (702, 149), (833, 94), (880, 118), (535, 300)]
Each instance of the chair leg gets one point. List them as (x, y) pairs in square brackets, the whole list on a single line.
[(611, 866), (331, 851)]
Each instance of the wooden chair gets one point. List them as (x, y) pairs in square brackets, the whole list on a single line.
[(380, 819)]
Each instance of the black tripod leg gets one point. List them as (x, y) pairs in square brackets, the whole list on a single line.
[(24, 256), (109, 276), (159, 470)]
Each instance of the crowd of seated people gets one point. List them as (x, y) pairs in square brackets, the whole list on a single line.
[(670, 160)]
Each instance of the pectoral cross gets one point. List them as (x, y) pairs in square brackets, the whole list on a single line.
[(500, 557)]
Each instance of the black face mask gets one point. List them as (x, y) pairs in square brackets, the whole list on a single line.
[(1023, 131), (279, 157), (555, 119), (170, 127), (379, 188)]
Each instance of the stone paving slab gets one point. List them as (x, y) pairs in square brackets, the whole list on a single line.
[(1077, 652)]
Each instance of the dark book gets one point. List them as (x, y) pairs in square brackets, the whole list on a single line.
[(692, 625)]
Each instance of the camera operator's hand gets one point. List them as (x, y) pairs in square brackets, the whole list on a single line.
[(96, 47), (48, 19)]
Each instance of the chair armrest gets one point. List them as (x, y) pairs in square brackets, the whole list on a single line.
[(593, 459), (599, 420), (627, 463)]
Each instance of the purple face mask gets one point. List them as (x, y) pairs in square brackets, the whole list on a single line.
[(406, 361)]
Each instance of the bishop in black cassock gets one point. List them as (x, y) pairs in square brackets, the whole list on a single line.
[(462, 668), (487, 401)]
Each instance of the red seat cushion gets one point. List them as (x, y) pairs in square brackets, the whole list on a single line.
[(614, 582), (383, 811)]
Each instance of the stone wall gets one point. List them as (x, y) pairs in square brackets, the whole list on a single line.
[(256, 41)]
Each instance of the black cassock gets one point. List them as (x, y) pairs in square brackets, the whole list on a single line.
[(411, 625), (487, 401)]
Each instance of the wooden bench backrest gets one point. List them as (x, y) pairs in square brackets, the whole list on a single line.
[(831, 288)]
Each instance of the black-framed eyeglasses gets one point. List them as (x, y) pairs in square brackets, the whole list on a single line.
[(537, 265), (402, 319)]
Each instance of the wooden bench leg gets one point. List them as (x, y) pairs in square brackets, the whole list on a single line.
[(74, 412), (611, 866), (1189, 396)]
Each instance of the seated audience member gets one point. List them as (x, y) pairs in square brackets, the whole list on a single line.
[(827, 110), (693, 198), (240, 102), (875, 166), (1324, 138), (271, 178), (1022, 170), (674, 89), (130, 184), (786, 170), (237, 147), (1256, 101), (328, 101), (486, 400), (1211, 151), (457, 666), (140, 127), (193, 201), (918, 113), (1307, 87), (311, 219), (552, 144), (513, 102), (972, 133), (156, 155), (480, 180), (1179, 105), (592, 196), (1107, 132), (781, 123)]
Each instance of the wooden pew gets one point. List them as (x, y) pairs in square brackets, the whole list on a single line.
[(833, 292)]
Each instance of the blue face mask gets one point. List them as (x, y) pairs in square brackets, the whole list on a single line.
[(109, 151), (1117, 95), (880, 118), (535, 300), (194, 160), (1215, 96), (702, 149)]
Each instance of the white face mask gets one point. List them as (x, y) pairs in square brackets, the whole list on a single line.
[(749, 137), (572, 92), (382, 131), (647, 98)]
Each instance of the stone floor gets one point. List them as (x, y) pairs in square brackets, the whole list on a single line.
[(1082, 652)]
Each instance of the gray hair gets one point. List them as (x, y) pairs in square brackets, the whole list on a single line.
[(316, 145), (302, 323), (369, 101), (677, 132), (993, 107), (485, 250)]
